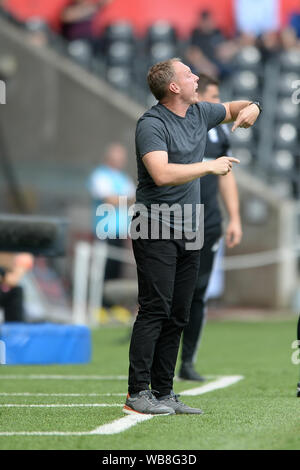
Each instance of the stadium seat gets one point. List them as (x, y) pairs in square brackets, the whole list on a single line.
[(283, 161), (242, 137), (245, 82), (120, 77), (36, 24), (248, 58), (161, 31), (290, 60), (161, 51), (80, 51), (287, 80), (119, 54), (119, 31), (286, 136), (287, 111)]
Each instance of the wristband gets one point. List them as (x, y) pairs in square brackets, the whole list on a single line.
[(258, 105)]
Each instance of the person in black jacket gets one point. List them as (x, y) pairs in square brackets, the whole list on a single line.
[(11, 293), (217, 145)]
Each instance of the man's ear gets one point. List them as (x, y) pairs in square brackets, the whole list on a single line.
[(174, 88)]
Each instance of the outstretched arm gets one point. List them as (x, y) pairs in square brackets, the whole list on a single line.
[(164, 173), (242, 113)]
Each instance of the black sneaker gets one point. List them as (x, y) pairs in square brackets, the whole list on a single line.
[(298, 390), (180, 408), (146, 403), (187, 372)]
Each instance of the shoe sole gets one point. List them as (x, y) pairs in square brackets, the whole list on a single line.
[(131, 411), (188, 413), (180, 379)]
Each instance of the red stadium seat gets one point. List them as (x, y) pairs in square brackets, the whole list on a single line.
[(286, 8), (142, 14), (181, 14), (48, 10)]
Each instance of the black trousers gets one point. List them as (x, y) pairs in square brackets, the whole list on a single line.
[(12, 304), (113, 267), (167, 275), (192, 332)]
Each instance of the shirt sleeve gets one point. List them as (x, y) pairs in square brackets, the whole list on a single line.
[(150, 136), (100, 186), (213, 113)]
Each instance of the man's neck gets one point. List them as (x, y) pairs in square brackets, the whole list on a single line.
[(178, 108)]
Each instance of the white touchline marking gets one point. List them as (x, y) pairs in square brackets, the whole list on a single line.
[(63, 377), (45, 433), (222, 382), (127, 422), (123, 424), (59, 405), (29, 394), (120, 425)]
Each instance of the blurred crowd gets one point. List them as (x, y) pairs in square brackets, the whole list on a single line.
[(208, 49), (257, 24)]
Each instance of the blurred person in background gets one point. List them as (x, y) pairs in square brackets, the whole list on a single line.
[(209, 51), (272, 43), (77, 18), (289, 39), (295, 21), (106, 184), (12, 270), (256, 17), (217, 145), (258, 25)]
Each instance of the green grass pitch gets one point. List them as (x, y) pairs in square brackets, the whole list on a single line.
[(259, 412)]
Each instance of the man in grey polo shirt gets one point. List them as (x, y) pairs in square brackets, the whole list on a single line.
[(170, 143)]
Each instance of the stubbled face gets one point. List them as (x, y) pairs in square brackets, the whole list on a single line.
[(185, 83), (211, 94)]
